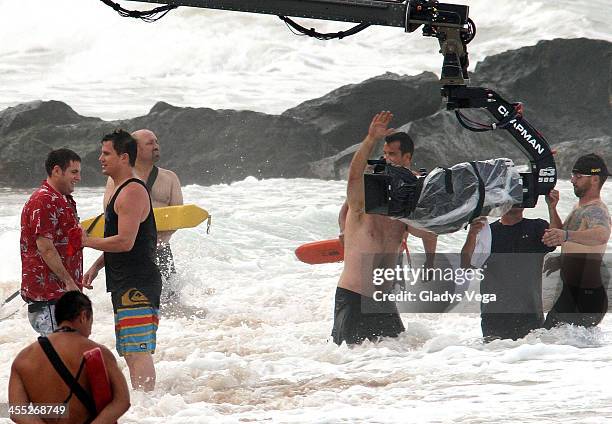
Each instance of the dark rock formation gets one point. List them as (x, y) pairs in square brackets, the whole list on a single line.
[(343, 115), (565, 85), (569, 151), (202, 145)]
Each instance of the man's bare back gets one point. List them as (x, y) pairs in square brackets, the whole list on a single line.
[(33, 367), (34, 379)]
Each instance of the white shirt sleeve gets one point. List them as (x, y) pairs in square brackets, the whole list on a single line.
[(482, 250)]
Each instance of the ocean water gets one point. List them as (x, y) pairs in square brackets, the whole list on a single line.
[(83, 53), (262, 353)]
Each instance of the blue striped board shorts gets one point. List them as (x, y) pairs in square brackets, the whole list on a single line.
[(136, 322)]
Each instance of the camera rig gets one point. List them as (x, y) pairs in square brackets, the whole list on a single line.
[(449, 23)]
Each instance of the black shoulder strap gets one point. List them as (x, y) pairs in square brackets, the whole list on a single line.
[(152, 178), (448, 181), (68, 378), (481, 194)]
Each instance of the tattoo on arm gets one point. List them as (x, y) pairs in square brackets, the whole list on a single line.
[(597, 217)]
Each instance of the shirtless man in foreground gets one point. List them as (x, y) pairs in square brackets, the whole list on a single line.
[(370, 242), (34, 379)]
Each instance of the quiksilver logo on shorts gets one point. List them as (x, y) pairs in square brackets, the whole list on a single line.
[(133, 297)]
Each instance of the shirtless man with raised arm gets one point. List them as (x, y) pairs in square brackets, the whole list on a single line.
[(371, 242), (399, 150)]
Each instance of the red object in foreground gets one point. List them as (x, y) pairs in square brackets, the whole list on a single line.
[(321, 252), (98, 378), (75, 242)]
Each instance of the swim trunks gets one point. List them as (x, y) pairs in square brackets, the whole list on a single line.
[(357, 318), (584, 299), (136, 321), (509, 325), (584, 307)]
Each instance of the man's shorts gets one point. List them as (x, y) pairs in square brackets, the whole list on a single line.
[(42, 317), (357, 318), (584, 307), (509, 325), (136, 321)]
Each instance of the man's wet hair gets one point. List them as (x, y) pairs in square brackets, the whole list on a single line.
[(123, 142), (406, 143), (70, 305), (61, 158)]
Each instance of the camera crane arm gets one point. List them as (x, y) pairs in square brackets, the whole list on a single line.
[(451, 25)]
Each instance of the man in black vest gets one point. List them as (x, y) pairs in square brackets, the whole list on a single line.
[(129, 244)]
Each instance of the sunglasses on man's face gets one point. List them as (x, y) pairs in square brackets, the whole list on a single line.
[(577, 175)]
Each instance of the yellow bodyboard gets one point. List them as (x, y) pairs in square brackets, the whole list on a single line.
[(168, 218)]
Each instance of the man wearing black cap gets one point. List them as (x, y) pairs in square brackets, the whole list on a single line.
[(583, 236)]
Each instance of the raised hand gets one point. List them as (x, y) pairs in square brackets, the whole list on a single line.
[(378, 127), (552, 198), (477, 225)]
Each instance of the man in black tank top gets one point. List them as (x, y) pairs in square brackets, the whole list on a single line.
[(132, 277), (165, 190)]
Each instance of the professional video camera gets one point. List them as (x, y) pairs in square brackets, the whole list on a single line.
[(447, 199)]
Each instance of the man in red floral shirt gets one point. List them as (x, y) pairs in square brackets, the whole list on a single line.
[(48, 215)]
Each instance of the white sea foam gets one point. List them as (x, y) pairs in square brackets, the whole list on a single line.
[(262, 351)]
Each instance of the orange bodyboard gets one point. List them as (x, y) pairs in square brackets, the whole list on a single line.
[(321, 252)]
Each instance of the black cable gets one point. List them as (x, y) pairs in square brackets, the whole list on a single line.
[(147, 15), (475, 126), (479, 124), (319, 35), (469, 127)]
